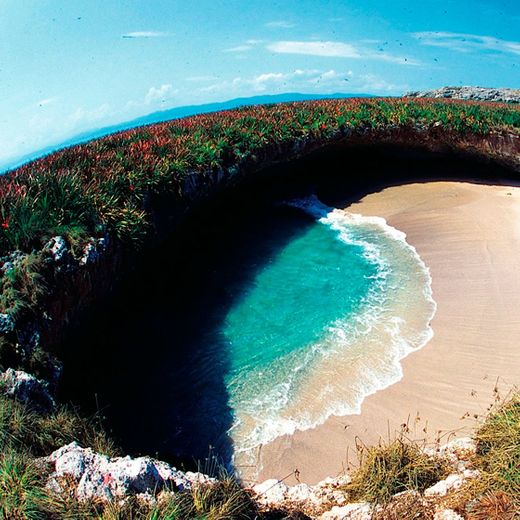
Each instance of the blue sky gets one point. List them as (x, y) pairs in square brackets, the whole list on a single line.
[(67, 66)]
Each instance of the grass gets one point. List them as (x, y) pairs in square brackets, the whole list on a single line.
[(385, 470), (26, 434), (22, 492), (391, 468), (496, 493), (226, 500), (498, 448), (25, 431), (401, 465), (108, 186)]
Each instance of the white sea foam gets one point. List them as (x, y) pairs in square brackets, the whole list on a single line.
[(358, 355)]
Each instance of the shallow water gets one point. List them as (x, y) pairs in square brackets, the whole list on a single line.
[(324, 324), (250, 328)]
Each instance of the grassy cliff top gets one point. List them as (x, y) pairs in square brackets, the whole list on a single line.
[(60, 212), (103, 185)]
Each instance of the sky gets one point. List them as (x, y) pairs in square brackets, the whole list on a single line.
[(68, 66)]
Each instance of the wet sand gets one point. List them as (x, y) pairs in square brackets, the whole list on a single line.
[(469, 237)]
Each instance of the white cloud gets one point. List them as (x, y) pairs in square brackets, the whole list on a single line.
[(145, 34), (45, 102), (280, 24), (335, 50), (321, 48), (254, 42), (81, 115), (239, 48), (372, 83), (304, 80), (462, 42), (162, 93)]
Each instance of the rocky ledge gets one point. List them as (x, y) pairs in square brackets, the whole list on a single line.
[(88, 475), (85, 475), (499, 95), (327, 501)]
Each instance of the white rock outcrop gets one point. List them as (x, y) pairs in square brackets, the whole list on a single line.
[(500, 95), (90, 475), (447, 514), (26, 388), (450, 483), (354, 511)]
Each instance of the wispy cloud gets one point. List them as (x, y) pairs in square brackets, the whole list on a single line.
[(145, 34), (239, 48), (304, 80), (280, 24), (462, 42), (320, 48), (162, 94), (45, 102), (335, 50)]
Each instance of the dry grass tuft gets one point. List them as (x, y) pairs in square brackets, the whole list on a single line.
[(408, 506), (394, 467)]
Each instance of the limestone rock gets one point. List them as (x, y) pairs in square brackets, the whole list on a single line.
[(450, 483), (301, 493), (27, 389), (6, 323), (11, 260), (502, 95), (447, 514), (92, 251), (98, 477), (58, 248), (354, 511), (271, 492)]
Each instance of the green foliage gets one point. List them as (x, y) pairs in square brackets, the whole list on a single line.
[(105, 182), (388, 469), (498, 449), (26, 431), (22, 490), (23, 287)]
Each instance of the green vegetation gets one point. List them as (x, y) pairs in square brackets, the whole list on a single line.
[(109, 185), (28, 432), (385, 470), (388, 469), (226, 500), (26, 435), (401, 465), (497, 490)]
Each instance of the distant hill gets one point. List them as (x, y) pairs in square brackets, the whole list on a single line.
[(166, 115)]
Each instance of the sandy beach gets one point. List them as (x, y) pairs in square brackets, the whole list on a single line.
[(469, 237)]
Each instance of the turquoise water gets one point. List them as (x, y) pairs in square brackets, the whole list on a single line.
[(324, 324), (315, 280)]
